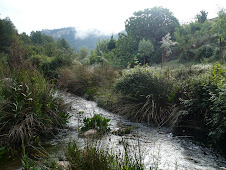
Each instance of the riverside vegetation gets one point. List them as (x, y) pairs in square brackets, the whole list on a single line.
[(186, 93)]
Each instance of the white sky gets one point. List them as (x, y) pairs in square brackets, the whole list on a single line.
[(104, 15)]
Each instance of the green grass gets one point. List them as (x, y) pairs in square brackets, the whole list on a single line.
[(28, 108), (94, 157)]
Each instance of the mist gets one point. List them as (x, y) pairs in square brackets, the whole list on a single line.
[(83, 33)]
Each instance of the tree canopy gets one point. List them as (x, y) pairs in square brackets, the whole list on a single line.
[(7, 34), (152, 23)]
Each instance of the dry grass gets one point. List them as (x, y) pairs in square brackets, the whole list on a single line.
[(86, 80)]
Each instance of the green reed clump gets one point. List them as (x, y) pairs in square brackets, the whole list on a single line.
[(144, 96), (93, 157), (28, 108)]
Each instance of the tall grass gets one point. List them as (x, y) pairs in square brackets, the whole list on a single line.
[(28, 107), (94, 157), (144, 96), (85, 80)]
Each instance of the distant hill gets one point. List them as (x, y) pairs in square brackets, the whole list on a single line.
[(78, 39)]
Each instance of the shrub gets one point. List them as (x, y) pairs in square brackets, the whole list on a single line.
[(144, 96), (204, 101), (188, 55), (28, 107), (205, 51)]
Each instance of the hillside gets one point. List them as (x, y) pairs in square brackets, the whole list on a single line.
[(75, 38)]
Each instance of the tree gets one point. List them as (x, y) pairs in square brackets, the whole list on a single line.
[(166, 45), (111, 43), (83, 53), (145, 47), (8, 33), (220, 29), (151, 24), (102, 47), (63, 44), (202, 17), (40, 39), (25, 38), (126, 49), (37, 37)]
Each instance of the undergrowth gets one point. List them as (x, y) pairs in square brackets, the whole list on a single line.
[(85, 80), (29, 108), (94, 157)]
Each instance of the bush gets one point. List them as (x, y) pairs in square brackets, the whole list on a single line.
[(205, 51), (144, 96), (188, 55), (204, 106), (28, 108)]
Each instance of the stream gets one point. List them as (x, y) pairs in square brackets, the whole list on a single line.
[(158, 148)]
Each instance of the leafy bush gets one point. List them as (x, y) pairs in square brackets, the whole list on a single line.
[(144, 96), (187, 55), (204, 101), (205, 51), (28, 107), (97, 122)]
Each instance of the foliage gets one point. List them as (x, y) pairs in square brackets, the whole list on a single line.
[(126, 49), (144, 96), (204, 104), (97, 122), (28, 107), (220, 24), (7, 34), (89, 158), (145, 48), (111, 43), (192, 36), (151, 23), (83, 80), (202, 17), (166, 45), (45, 53), (102, 47), (205, 51), (93, 157), (83, 52), (39, 39), (30, 164), (63, 44)]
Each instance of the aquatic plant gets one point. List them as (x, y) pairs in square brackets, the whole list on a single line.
[(97, 122)]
